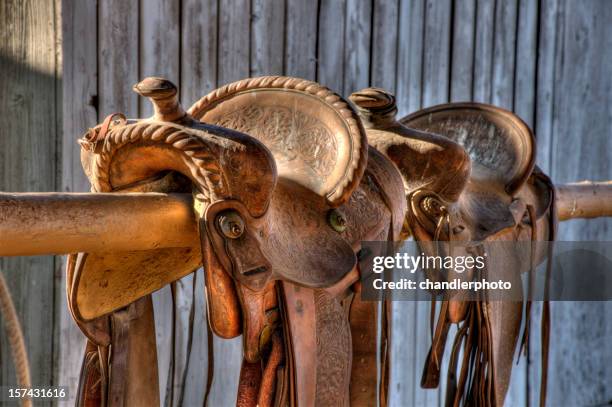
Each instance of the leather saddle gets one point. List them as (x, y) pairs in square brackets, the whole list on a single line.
[(470, 180), (285, 188)]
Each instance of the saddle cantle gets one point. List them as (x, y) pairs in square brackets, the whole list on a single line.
[(469, 178), (281, 214)]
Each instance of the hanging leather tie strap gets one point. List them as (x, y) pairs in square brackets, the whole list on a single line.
[(210, 362), (552, 225), (99, 133), (267, 388), (439, 339), (431, 371), (530, 283)]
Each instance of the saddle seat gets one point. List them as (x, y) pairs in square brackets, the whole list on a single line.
[(501, 149)]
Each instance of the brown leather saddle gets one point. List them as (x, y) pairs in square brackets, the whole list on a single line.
[(285, 188), (469, 179)]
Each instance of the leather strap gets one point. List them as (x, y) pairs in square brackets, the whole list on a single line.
[(530, 280), (101, 134), (248, 384), (363, 317), (267, 388), (119, 360), (210, 362), (431, 372), (133, 363), (552, 218), (300, 311), (89, 392)]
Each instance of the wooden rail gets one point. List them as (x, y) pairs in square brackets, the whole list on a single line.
[(57, 223)]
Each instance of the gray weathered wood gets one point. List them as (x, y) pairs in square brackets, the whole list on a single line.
[(576, 100), (159, 45), (29, 127), (234, 38), (384, 44), (504, 51), (267, 37), (410, 56), (301, 39), (547, 64), (198, 49), (195, 371), (117, 57), (483, 51), (330, 65), (462, 68), (525, 64), (80, 99), (436, 53), (357, 38)]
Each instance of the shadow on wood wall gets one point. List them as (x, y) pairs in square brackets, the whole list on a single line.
[(29, 134)]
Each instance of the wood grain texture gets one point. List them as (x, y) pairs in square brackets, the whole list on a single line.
[(436, 53), (410, 56), (330, 66), (548, 60), (198, 49), (301, 39), (504, 51), (483, 51), (526, 61), (580, 97), (159, 48), (79, 103), (384, 44), (267, 37), (194, 374), (357, 39), (234, 36), (462, 62), (118, 51), (29, 136)]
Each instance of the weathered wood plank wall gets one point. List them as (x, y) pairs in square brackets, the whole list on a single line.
[(548, 60), (30, 128), (573, 112)]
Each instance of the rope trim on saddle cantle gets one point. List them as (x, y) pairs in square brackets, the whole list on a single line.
[(358, 160), (199, 156)]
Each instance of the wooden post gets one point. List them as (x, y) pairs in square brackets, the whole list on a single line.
[(55, 223), (584, 199)]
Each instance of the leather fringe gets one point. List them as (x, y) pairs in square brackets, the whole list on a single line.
[(476, 384)]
